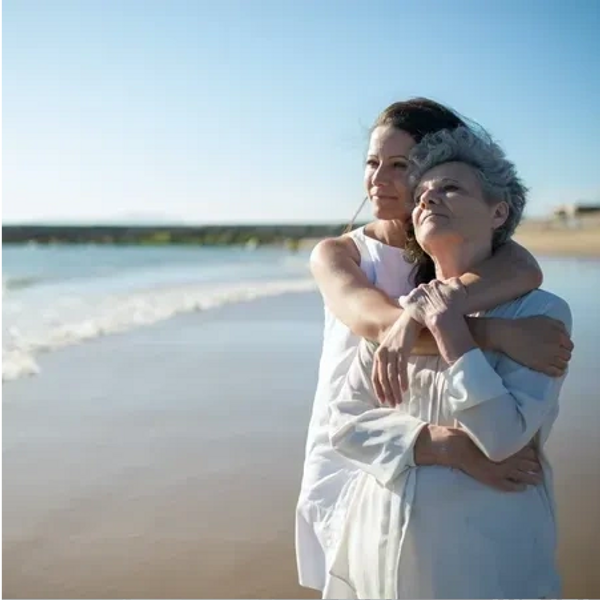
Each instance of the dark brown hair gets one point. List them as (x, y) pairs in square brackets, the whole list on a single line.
[(417, 117)]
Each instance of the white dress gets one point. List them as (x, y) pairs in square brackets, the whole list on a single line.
[(434, 532), (326, 472)]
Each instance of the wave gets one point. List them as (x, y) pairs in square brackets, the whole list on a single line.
[(18, 283), (120, 314)]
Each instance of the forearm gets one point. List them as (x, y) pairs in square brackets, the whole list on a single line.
[(509, 273), (504, 406), (483, 330), (348, 293), (368, 313)]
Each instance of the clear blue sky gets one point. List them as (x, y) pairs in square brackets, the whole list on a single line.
[(257, 111)]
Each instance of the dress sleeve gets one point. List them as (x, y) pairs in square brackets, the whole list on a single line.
[(502, 409), (379, 440)]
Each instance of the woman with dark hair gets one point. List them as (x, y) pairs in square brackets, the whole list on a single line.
[(361, 275), (412, 521)]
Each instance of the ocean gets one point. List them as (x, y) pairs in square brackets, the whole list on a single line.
[(56, 296)]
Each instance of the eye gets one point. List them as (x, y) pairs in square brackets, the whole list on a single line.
[(399, 165), (371, 162), (450, 187)]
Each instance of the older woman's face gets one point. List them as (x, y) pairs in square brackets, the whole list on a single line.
[(450, 207)]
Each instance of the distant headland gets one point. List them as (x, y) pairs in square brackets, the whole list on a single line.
[(571, 230), (164, 235)]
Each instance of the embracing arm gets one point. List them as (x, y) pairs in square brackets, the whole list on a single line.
[(510, 272), (370, 313), (501, 409), (384, 441), (348, 293)]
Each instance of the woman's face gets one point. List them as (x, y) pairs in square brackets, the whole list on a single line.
[(385, 172), (450, 208)]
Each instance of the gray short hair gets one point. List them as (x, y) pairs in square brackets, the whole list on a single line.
[(498, 176)]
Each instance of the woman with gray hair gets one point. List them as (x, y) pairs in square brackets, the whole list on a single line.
[(412, 522)]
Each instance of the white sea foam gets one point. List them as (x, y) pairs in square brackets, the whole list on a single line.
[(71, 322)]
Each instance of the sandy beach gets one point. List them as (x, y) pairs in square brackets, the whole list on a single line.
[(547, 238), (165, 463), (552, 239)]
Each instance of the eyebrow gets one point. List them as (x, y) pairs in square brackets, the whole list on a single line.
[(394, 156), (418, 190)]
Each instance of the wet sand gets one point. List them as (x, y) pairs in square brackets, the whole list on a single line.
[(165, 463)]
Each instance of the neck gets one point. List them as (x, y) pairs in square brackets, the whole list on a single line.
[(392, 233), (453, 260)]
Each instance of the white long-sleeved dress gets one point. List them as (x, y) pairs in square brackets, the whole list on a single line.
[(434, 532)]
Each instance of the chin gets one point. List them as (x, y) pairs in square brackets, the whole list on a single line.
[(386, 213), (432, 231)]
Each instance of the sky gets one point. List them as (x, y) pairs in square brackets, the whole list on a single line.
[(206, 112)]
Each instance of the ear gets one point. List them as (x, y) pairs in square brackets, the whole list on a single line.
[(499, 214)]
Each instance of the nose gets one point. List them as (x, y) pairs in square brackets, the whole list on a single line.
[(380, 176), (427, 198)]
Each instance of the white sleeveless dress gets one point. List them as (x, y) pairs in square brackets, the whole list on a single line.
[(326, 472)]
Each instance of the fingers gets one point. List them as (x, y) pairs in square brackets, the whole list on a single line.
[(382, 367), (403, 372), (526, 477), (513, 486), (561, 364), (555, 371), (377, 385), (564, 354), (392, 376), (456, 284), (529, 466), (566, 342), (564, 339)]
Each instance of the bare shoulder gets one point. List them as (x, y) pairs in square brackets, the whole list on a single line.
[(333, 248)]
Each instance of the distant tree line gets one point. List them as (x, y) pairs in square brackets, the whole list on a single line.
[(210, 235)]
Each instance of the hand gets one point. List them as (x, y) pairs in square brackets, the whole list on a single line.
[(390, 375), (430, 300), (511, 475), (540, 343)]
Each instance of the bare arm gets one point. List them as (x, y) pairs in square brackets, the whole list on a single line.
[(370, 313), (365, 309), (511, 272)]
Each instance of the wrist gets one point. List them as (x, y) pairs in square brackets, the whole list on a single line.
[(452, 335), (485, 332), (388, 320), (439, 445)]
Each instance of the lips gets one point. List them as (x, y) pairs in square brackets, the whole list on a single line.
[(429, 215)]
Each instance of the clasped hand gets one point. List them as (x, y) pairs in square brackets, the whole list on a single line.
[(422, 307)]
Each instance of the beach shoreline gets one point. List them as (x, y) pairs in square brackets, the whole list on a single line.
[(166, 462)]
